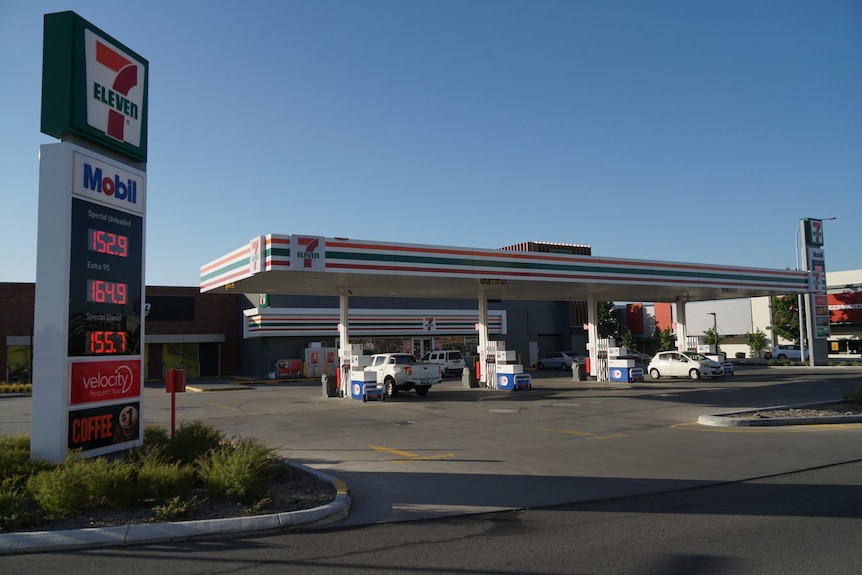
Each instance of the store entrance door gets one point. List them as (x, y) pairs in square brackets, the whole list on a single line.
[(421, 346)]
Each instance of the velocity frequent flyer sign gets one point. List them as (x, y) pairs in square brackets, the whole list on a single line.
[(105, 380)]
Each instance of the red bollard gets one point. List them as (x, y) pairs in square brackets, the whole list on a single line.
[(174, 384)]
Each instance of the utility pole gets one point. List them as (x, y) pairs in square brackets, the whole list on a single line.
[(715, 329)]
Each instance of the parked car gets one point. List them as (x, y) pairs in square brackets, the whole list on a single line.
[(639, 357), (451, 360), (790, 351), (683, 364), (556, 360), (402, 372)]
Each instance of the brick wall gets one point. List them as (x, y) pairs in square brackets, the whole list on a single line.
[(16, 316), (214, 314)]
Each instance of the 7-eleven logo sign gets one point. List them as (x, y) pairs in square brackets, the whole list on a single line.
[(255, 255), (307, 253), (115, 90), (814, 237)]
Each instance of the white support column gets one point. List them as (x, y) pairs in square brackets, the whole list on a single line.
[(344, 341), (592, 332), (681, 331), (483, 333)]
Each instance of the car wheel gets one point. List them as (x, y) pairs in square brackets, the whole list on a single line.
[(653, 373), (694, 374), (566, 367), (541, 365), (391, 389), (422, 391), (782, 357)]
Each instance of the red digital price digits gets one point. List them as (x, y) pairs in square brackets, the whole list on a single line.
[(100, 291), (107, 243), (105, 342)]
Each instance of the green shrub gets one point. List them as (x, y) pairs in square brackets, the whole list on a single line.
[(18, 511), (16, 387), (155, 436), (15, 464), (193, 441), (163, 471), (111, 482), (159, 479), (176, 508), (78, 484), (240, 472), (62, 491)]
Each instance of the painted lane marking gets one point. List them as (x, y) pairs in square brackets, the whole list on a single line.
[(408, 456), (229, 408), (582, 433)]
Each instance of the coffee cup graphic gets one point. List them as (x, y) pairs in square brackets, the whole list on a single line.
[(128, 420)]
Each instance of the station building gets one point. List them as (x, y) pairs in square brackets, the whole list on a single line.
[(216, 334)]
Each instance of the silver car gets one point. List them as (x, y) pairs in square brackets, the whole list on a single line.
[(683, 364), (782, 352), (556, 360)]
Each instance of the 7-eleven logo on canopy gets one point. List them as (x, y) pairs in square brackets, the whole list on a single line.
[(115, 90), (307, 253)]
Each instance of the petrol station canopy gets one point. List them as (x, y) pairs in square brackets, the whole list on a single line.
[(314, 265)]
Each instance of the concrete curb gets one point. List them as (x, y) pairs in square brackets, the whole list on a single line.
[(39, 541), (731, 419)]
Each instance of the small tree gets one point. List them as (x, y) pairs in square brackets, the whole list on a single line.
[(785, 317), (627, 340), (664, 339), (757, 342), (711, 337), (608, 320)]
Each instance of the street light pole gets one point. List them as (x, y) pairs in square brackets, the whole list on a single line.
[(799, 305), (714, 329)]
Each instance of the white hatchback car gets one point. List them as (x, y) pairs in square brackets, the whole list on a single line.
[(683, 364)]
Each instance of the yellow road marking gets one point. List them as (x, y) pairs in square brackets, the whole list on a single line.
[(582, 433), (408, 456), (229, 408)]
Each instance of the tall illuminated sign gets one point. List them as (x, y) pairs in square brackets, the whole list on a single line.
[(816, 301), (89, 326)]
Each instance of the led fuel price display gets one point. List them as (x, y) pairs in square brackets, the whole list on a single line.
[(107, 243), (100, 291), (105, 281), (104, 342)]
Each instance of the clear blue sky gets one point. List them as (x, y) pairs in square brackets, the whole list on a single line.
[(680, 130)]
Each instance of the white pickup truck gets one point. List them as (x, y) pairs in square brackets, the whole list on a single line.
[(403, 372)]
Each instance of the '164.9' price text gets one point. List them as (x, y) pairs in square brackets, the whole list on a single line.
[(100, 291)]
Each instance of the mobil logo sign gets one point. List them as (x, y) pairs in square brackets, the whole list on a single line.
[(105, 380), (108, 183)]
